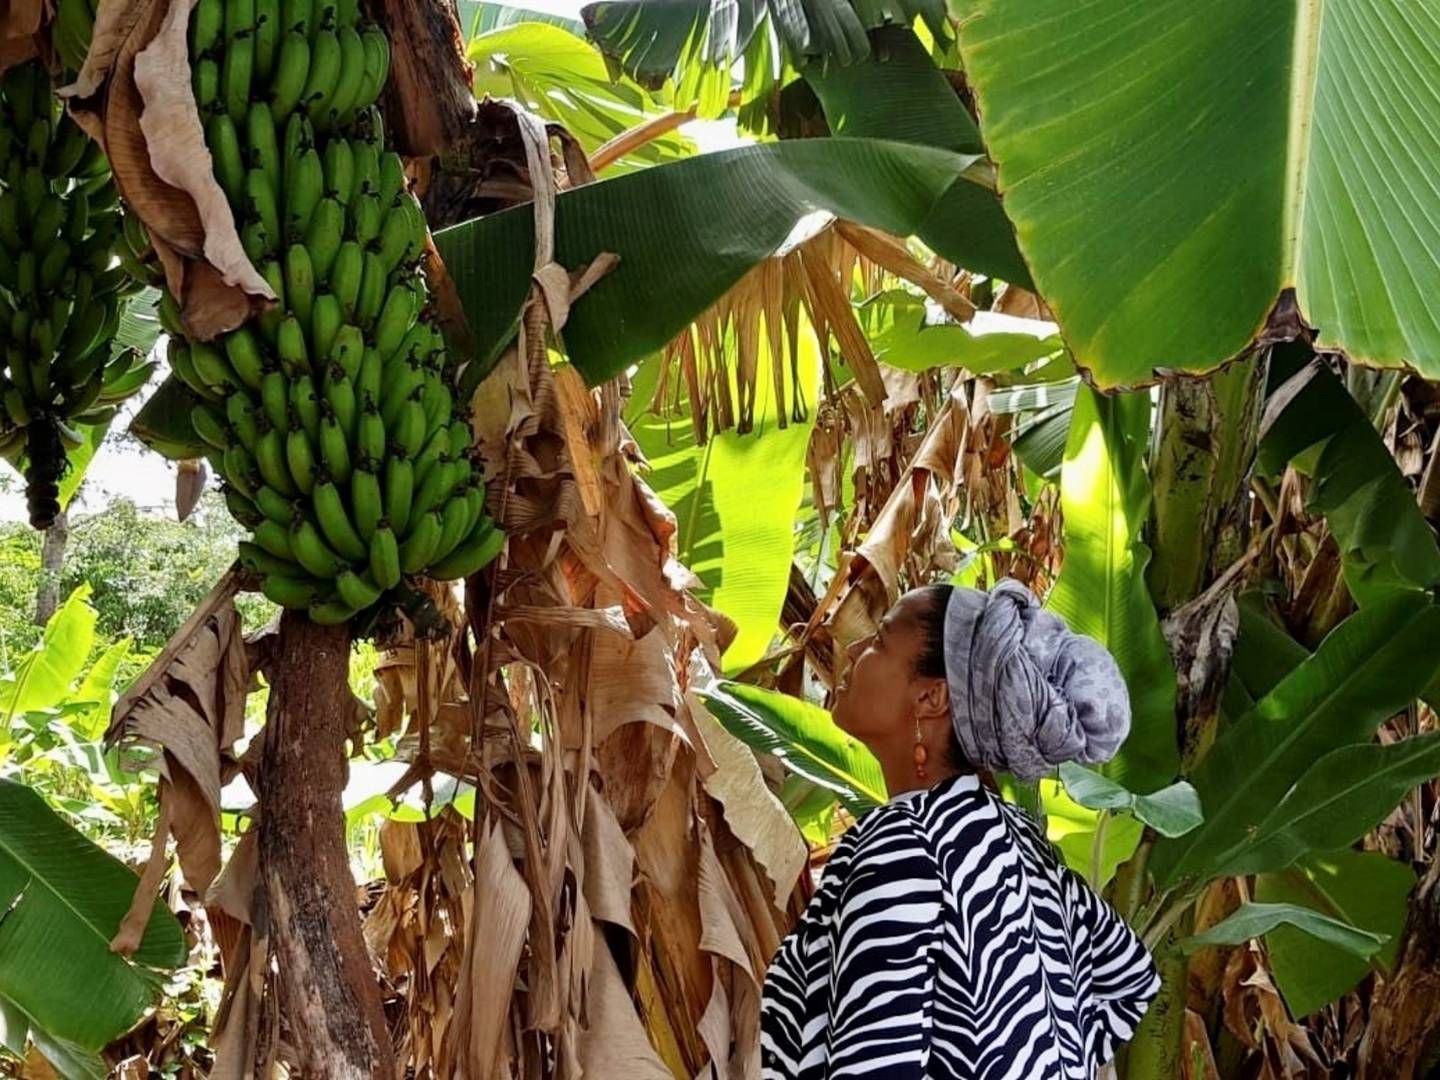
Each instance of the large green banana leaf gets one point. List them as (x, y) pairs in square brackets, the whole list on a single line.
[(1366, 889), (1339, 799), (1172, 168), (1368, 668), (735, 498), (1255, 920), (898, 93), (1385, 541), (557, 74), (64, 898), (42, 677), (685, 233), (18, 1031), (1101, 591), (653, 41), (804, 737)]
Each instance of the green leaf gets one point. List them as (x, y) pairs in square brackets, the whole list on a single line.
[(43, 677), (478, 17), (1071, 827), (685, 233), (735, 499), (1385, 541), (1366, 889), (1340, 798), (139, 327), (1143, 145), (1101, 591), (1255, 920), (98, 686), (163, 422), (78, 460), (69, 1060), (804, 737), (652, 42), (64, 898), (1171, 811), (1366, 669), (811, 806), (558, 75), (1265, 652), (898, 93), (908, 343)]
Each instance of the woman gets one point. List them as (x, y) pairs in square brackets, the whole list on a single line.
[(946, 939)]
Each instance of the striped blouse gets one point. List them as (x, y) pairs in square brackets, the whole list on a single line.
[(946, 940)]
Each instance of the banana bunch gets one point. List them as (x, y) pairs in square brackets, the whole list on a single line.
[(72, 29), (60, 292), (331, 416)]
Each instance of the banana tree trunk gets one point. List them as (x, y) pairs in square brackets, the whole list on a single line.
[(328, 990), (52, 560)]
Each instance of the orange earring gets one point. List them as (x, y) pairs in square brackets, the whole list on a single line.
[(922, 755)]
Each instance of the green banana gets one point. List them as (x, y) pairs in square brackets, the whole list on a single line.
[(246, 358), (291, 347), (367, 168), (326, 319), (335, 523), (300, 459), (275, 400), (475, 553), (258, 560), (339, 171), (384, 557), (377, 70), (367, 219), (355, 591), (295, 15), (325, 62), (399, 490), (334, 448), (339, 391), (366, 500), (370, 434), (299, 282), (264, 148), (241, 508), (271, 460), (306, 406), (352, 74), (205, 83), (275, 506), (206, 23), (240, 412), (292, 70), (312, 553), (324, 235), (210, 426), (415, 552), (239, 20), (275, 539), (260, 198), (367, 383), (224, 142), (267, 37), (304, 188), (212, 367), (331, 612), (236, 71), (373, 285), (296, 593), (392, 179), (409, 429), (348, 350), (345, 276), (270, 319), (432, 490), (396, 318)]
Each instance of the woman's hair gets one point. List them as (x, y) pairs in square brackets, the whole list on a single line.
[(930, 663)]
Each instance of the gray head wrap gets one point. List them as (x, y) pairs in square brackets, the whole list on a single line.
[(1026, 693)]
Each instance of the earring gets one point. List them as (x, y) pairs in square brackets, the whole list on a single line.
[(922, 755)]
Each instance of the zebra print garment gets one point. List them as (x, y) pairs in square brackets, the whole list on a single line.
[(946, 940)]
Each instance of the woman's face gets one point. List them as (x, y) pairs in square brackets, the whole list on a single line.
[(878, 698)]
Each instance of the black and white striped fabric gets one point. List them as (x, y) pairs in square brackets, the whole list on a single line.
[(946, 940)]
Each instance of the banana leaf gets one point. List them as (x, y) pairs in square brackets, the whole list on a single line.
[(1366, 669), (1254, 920), (1385, 541), (42, 677), (1174, 169), (1338, 800), (64, 898), (652, 42), (804, 737), (1101, 591), (163, 422), (685, 233), (897, 92), (1367, 889)]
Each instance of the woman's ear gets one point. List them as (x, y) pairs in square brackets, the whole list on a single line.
[(934, 699)]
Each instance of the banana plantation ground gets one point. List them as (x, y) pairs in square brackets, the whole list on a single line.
[(451, 446)]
